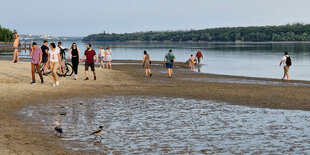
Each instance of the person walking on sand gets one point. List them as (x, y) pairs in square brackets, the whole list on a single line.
[(45, 50), (63, 58), (16, 49), (199, 56), (89, 62), (54, 59), (146, 64), (286, 60), (108, 57), (36, 58), (192, 63), (75, 52), (169, 61), (101, 56)]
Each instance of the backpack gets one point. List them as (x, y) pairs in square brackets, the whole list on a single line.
[(171, 58), (288, 61)]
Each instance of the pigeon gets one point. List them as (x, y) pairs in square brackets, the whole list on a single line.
[(98, 132), (58, 129)]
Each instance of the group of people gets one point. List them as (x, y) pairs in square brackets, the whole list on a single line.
[(54, 57), (169, 61), (105, 55), (192, 59)]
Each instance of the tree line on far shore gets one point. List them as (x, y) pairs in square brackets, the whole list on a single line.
[(6, 35), (289, 32)]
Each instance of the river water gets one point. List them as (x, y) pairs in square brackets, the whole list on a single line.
[(149, 125), (242, 59)]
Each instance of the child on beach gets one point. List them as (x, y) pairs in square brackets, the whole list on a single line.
[(192, 63)]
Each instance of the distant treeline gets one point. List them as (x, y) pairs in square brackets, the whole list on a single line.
[(289, 32), (6, 35)]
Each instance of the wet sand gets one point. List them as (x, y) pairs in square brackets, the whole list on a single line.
[(124, 80), (161, 125)]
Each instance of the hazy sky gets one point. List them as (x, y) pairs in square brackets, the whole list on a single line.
[(83, 17)]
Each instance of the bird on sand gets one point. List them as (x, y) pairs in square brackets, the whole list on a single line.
[(98, 132), (58, 129)]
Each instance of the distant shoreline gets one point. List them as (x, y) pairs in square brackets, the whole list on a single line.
[(8, 46), (289, 32), (166, 41)]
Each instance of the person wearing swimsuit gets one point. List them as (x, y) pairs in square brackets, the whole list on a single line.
[(16, 49), (75, 52)]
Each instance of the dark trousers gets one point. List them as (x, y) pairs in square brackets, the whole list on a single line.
[(33, 71), (75, 65)]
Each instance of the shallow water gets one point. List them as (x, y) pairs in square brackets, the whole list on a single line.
[(174, 125), (248, 81), (228, 58)]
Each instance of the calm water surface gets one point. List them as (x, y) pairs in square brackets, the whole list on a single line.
[(243, 59)]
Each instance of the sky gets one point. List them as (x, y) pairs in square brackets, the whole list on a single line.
[(84, 17)]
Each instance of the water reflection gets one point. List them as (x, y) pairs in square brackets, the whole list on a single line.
[(242, 59), (175, 125)]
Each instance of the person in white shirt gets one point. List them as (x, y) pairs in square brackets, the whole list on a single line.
[(108, 57), (54, 59), (101, 56), (286, 61)]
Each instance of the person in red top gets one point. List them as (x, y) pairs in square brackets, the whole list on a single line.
[(199, 56), (89, 62)]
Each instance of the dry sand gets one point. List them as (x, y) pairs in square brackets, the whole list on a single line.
[(17, 93)]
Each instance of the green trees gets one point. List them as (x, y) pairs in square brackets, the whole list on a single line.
[(289, 32), (6, 35)]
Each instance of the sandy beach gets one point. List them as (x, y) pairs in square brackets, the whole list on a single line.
[(127, 80)]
